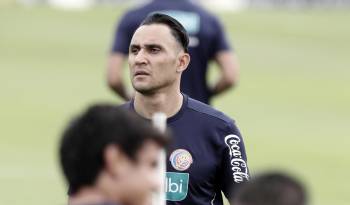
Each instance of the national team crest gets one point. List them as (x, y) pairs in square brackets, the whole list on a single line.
[(181, 159)]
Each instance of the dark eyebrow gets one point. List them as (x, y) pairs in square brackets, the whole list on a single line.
[(153, 45), (147, 46), (134, 46)]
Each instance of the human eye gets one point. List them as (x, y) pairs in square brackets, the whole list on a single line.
[(154, 50), (134, 50)]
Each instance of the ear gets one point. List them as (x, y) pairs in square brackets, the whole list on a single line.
[(183, 61), (115, 160)]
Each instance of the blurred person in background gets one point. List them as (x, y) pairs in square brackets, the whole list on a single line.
[(207, 42), (273, 188), (207, 155), (109, 157)]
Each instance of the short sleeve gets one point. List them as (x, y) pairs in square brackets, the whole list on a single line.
[(221, 42), (234, 169), (123, 35)]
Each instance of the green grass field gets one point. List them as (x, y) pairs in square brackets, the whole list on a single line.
[(292, 103)]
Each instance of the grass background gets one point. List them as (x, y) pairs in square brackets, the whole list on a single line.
[(292, 103)]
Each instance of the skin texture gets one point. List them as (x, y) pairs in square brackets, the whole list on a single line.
[(153, 59), (156, 62)]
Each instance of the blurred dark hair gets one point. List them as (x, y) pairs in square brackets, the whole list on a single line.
[(271, 189), (177, 30), (85, 139)]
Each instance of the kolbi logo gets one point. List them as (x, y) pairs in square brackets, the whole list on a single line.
[(176, 186), (239, 166)]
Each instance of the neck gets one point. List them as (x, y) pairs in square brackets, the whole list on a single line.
[(104, 190), (87, 195), (169, 103)]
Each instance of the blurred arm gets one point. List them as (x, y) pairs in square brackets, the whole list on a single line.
[(115, 75), (229, 71)]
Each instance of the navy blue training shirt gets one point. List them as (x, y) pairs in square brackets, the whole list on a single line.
[(206, 34), (207, 155)]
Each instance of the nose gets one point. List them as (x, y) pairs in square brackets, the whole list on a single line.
[(140, 57)]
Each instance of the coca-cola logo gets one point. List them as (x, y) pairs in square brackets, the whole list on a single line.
[(238, 165)]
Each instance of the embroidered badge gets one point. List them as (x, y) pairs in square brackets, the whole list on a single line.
[(181, 159)]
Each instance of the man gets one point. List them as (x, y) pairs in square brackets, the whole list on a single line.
[(207, 42), (271, 189), (207, 153), (109, 157)]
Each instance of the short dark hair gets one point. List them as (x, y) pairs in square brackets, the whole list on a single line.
[(177, 30), (85, 139), (273, 188)]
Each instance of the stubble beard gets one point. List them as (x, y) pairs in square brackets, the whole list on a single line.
[(152, 89)]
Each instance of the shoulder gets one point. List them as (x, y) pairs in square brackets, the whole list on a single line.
[(215, 21), (208, 112), (213, 121), (136, 14), (208, 16)]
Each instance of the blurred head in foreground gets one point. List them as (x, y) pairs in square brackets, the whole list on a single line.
[(109, 155), (271, 189)]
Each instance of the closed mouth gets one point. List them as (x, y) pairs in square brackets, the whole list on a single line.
[(138, 73)]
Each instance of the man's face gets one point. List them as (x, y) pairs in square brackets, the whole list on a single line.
[(140, 178), (153, 58)]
